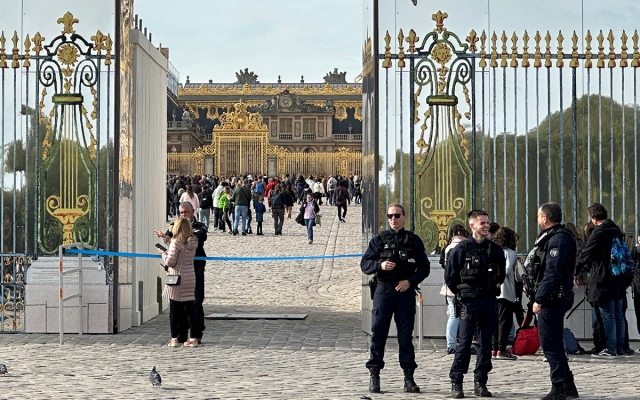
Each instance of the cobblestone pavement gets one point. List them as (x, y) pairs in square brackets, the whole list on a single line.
[(321, 357)]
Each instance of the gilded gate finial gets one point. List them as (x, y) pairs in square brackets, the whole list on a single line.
[(547, 53), (587, 54), (472, 39), (514, 51), (98, 42), (612, 50), (624, 48), (560, 61), (600, 39), (574, 51), (386, 63), (16, 51), (108, 46), (537, 56), (401, 63), (67, 21), (37, 41), (635, 62), (483, 53), (525, 50), (27, 56), (412, 39), (3, 54), (439, 18), (504, 55), (494, 52)]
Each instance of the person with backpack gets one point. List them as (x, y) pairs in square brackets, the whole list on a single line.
[(260, 210), (603, 286), (277, 208), (341, 199), (318, 191), (552, 263), (206, 203), (332, 183)]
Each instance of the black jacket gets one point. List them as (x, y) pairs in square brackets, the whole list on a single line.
[(559, 259), (596, 258), (457, 256), (200, 232), (371, 261)]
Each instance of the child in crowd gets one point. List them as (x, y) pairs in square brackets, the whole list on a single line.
[(249, 219), (260, 210)]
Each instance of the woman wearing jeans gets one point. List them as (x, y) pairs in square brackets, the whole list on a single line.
[(310, 208), (458, 234)]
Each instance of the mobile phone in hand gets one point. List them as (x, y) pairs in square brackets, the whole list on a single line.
[(161, 247)]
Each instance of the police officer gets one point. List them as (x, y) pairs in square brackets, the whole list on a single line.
[(474, 272), (200, 232), (554, 255), (398, 259)]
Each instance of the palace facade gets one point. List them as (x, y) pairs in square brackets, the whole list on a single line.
[(317, 119)]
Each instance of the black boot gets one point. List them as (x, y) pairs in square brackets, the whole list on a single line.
[(374, 380), (557, 392), (456, 391), (409, 384), (480, 389), (571, 390)]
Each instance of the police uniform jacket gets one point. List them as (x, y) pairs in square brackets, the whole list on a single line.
[(200, 232), (415, 269), (456, 260), (559, 259), (596, 258)]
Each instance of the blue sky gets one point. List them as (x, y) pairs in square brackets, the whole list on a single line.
[(215, 39)]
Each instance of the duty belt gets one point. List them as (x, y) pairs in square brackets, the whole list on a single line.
[(473, 294), (387, 285)]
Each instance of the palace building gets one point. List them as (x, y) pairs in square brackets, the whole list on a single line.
[(248, 127)]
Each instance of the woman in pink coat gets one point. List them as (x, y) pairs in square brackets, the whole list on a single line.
[(178, 258)]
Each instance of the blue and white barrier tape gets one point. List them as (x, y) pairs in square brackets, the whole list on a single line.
[(250, 259)]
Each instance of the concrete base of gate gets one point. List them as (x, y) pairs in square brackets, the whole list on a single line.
[(42, 297)]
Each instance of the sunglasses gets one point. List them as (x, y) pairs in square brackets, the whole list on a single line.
[(397, 216)]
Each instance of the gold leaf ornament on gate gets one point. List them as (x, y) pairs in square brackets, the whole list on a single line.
[(68, 54)]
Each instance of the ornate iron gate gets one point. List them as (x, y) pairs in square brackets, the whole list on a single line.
[(493, 125), (56, 162)]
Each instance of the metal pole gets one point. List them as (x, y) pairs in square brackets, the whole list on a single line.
[(61, 301), (80, 318)]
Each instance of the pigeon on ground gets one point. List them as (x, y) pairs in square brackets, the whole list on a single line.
[(154, 377), (3, 369)]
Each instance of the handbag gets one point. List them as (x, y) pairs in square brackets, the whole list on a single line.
[(318, 220), (173, 280), (300, 218), (527, 341)]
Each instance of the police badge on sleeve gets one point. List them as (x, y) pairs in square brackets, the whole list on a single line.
[(554, 252)]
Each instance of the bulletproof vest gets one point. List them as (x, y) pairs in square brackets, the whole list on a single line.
[(399, 252), (477, 272), (535, 265)]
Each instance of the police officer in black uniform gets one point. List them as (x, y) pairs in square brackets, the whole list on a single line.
[(200, 232), (474, 272), (553, 260), (398, 259)]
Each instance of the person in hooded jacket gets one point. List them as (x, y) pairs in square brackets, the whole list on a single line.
[(603, 287)]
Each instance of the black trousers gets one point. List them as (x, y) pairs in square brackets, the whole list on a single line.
[(636, 306), (344, 210), (505, 323), (388, 303), (550, 327), (216, 217), (179, 319), (198, 312), (480, 315)]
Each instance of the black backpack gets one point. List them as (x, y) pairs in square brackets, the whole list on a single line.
[(276, 200), (340, 194), (205, 199)]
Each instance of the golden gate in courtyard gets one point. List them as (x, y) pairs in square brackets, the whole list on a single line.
[(240, 145)]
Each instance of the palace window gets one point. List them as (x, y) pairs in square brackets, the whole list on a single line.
[(308, 125), (286, 125)]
